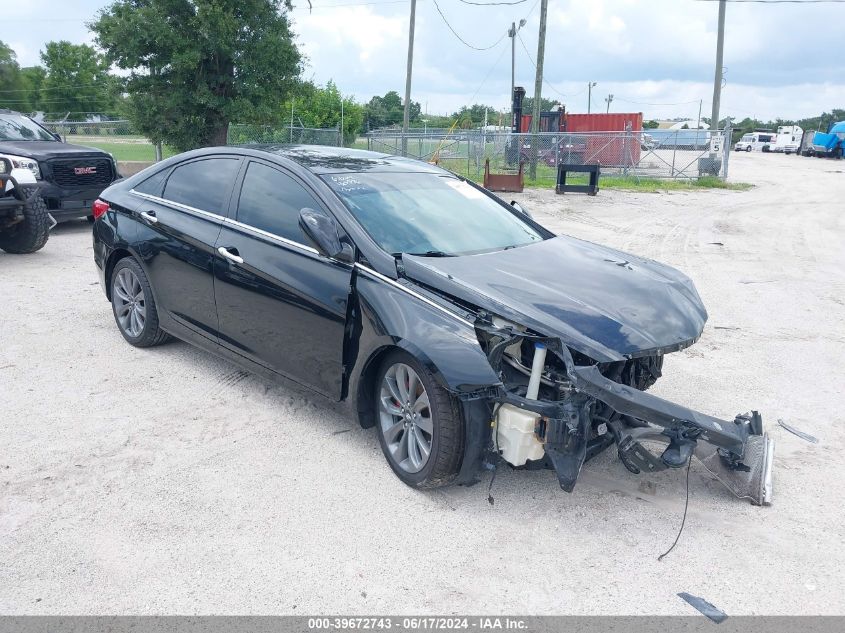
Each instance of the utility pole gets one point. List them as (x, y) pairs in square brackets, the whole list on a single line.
[(406, 120), (608, 100), (717, 80), (538, 86), (590, 86)]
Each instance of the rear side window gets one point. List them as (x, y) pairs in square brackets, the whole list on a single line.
[(271, 201), (203, 184), (152, 185)]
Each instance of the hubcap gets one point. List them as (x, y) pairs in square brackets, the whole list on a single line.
[(130, 305), (405, 418)]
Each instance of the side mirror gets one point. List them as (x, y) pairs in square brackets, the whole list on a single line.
[(519, 208), (323, 231)]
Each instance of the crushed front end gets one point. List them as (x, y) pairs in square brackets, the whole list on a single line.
[(558, 408)]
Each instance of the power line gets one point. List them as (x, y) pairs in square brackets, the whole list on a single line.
[(545, 81), (494, 4), (463, 41), (69, 87), (353, 4), (656, 104)]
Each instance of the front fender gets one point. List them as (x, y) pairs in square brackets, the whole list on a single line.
[(391, 315)]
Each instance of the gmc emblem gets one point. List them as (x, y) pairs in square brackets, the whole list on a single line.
[(84, 171)]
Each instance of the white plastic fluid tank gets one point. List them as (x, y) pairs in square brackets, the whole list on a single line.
[(515, 435)]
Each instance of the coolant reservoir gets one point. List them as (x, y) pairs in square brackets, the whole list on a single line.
[(515, 435)]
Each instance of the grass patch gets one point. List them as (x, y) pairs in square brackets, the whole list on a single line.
[(129, 148)]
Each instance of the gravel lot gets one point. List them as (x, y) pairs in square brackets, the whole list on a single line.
[(168, 481)]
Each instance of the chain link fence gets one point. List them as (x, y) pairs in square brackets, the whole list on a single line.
[(667, 154), (240, 134), (118, 137)]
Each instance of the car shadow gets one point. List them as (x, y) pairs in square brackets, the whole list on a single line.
[(603, 481), (71, 227)]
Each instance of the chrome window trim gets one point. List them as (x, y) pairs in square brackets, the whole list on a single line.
[(426, 300), (234, 223), (272, 236), (178, 205)]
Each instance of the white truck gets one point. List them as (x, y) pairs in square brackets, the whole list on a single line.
[(788, 139)]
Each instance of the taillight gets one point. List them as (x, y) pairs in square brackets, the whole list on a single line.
[(99, 208)]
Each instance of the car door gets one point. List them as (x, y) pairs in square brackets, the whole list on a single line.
[(176, 241), (279, 302)]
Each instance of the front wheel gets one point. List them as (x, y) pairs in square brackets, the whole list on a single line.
[(419, 423), (748, 149), (31, 233)]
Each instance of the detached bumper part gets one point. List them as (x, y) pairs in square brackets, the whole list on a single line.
[(753, 479)]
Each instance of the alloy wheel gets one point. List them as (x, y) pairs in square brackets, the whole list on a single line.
[(405, 418), (129, 302)]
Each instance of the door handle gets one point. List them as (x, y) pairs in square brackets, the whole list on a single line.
[(149, 216), (232, 257)]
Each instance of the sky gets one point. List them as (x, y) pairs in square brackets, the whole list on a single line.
[(655, 56)]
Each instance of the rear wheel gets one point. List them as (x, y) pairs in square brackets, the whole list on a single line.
[(32, 233), (419, 423), (133, 305)]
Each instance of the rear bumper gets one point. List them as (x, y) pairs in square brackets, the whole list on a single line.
[(69, 203)]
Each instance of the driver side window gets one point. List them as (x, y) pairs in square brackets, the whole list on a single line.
[(271, 200)]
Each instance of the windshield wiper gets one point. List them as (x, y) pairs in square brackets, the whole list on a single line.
[(430, 254)]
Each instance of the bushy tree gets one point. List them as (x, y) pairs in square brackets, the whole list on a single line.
[(75, 80), (197, 65), (389, 110), (321, 108), (546, 105), (12, 88), (33, 78)]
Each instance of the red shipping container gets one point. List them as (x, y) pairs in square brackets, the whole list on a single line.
[(606, 149)]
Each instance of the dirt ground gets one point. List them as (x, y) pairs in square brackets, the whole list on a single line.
[(168, 481)]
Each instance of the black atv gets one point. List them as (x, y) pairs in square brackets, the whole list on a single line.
[(25, 222)]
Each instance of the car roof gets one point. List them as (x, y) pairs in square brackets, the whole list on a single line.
[(322, 159)]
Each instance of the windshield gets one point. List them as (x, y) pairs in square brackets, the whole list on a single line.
[(14, 127), (429, 214), (747, 138)]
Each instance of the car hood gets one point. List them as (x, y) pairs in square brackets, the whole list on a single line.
[(601, 302), (45, 150)]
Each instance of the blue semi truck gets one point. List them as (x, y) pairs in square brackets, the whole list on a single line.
[(831, 144)]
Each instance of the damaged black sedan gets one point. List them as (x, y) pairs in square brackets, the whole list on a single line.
[(464, 331)]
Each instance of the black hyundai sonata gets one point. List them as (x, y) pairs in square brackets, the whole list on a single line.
[(464, 331)]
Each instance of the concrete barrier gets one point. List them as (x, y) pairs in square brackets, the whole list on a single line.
[(128, 168)]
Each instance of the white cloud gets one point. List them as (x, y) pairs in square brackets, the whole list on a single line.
[(653, 51)]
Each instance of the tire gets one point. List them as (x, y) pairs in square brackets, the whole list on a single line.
[(133, 305), (446, 441), (31, 234), (748, 149)]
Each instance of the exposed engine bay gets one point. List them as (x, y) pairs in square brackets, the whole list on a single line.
[(559, 408)]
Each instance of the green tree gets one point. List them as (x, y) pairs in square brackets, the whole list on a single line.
[(197, 65), (12, 88), (33, 80), (321, 108), (474, 115), (77, 79), (389, 110), (546, 105)]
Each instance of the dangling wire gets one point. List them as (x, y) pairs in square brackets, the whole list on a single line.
[(490, 498), (684, 520)]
